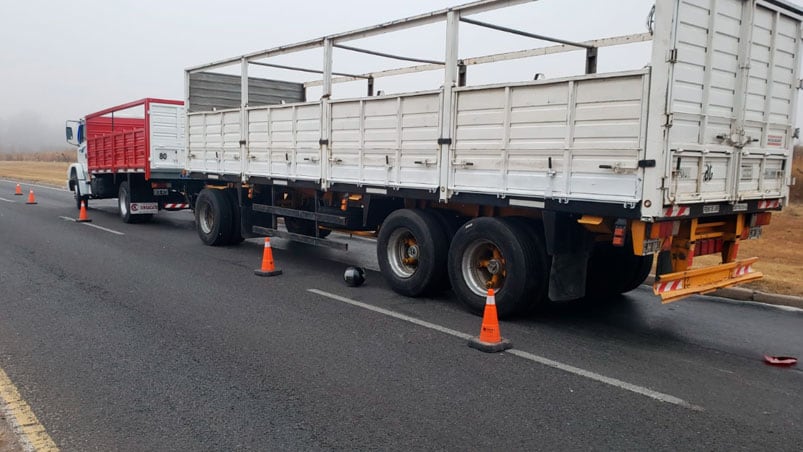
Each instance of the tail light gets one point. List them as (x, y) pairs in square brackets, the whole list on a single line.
[(760, 219)]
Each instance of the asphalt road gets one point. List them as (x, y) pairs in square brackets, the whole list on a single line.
[(138, 337)]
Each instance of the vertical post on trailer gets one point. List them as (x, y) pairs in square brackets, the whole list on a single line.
[(326, 94), (243, 118), (187, 118), (146, 106), (449, 83), (591, 60), (370, 86)]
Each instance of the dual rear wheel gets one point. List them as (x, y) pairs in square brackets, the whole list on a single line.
[(418, 250)]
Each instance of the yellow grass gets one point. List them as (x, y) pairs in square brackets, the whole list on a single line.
[(779, 252), (48, 173)]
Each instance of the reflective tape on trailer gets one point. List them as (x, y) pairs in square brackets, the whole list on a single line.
[(742, 270), (668, 286), (769, 204), (677, 211), (180, 205)]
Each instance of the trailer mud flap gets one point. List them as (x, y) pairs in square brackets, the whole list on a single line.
[(674, 286)]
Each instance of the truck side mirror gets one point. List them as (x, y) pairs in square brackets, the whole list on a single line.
[(81, 133), (68, 132)]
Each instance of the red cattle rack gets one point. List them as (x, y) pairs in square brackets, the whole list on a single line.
[(121, 144)]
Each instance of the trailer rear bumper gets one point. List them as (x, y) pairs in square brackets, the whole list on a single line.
[(674, 286)]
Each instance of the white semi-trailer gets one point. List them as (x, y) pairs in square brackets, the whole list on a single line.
[(542, 189)]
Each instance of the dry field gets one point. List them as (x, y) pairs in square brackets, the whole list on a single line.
[(780, 250), (780, 253), (47, 173)]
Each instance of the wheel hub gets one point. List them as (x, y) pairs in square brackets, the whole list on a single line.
[(403, 253), (494, 266)]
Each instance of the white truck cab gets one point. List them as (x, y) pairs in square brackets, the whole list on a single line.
[(77, 173)]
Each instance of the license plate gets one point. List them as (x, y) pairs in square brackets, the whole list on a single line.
[(755, 232), (159, 192), (138, 208), (651, 246)]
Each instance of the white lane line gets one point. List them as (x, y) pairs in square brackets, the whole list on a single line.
[(666, 398), (94, 226), (103, 229), (393, 314), (7, 200), (607, 380)]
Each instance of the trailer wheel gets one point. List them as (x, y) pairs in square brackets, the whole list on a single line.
[(450, 222), (213, 217), (615, 270), (540, 262), (494, 253), (412, 250)]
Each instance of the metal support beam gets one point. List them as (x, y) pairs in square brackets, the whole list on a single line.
[(494, 58), (243, 116), (303, 69), (387, 55), (522, 33), (475, 7), (326, 110), (449, 84)]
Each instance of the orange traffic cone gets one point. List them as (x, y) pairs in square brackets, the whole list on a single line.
[(268, 269), (82, 216), (18, 191), (31, 198), (490, 341)]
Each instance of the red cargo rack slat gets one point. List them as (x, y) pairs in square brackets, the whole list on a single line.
[(117, 144)]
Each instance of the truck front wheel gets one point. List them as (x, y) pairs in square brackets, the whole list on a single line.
[(411, 250), (79, 198), (213, 217)]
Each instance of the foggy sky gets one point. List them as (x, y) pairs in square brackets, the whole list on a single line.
[(61, 60)]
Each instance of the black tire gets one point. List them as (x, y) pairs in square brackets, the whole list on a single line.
[(124, 203), (79, 198), (124, 206), (236, 222), (540, 262), (416, 236), (450, 222), (213, 217), (508, 253), (615, 270)]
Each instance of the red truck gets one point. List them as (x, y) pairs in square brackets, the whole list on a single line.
[(134, 152)]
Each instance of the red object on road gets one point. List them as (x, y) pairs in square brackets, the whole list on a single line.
[(780, 360)]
